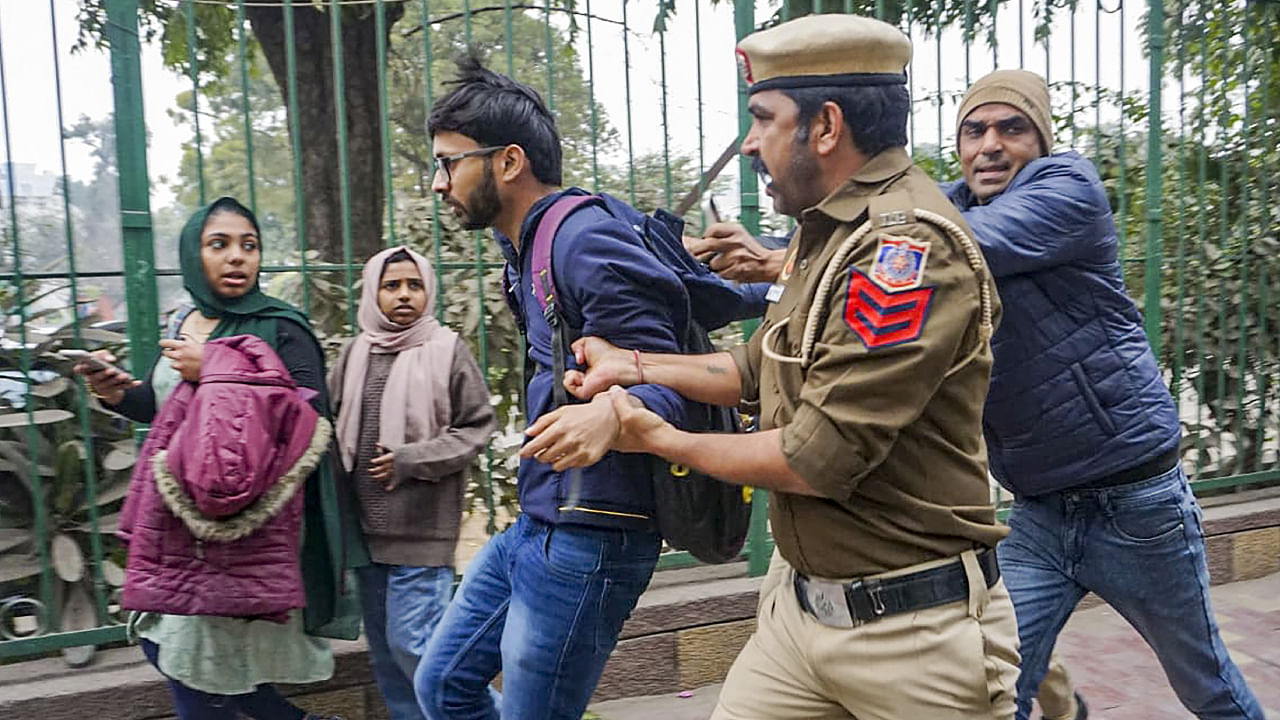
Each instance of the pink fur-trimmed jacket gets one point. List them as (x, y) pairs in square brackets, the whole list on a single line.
[(213, 518)]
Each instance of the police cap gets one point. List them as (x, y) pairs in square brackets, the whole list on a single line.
[(824, 50)]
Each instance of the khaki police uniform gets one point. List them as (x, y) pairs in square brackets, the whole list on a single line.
[(880, 410)]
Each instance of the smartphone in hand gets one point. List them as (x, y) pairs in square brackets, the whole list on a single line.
[(86, 358), (711, 210)]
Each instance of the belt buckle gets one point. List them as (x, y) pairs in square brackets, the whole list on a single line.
[(828, 603), (872, 589)]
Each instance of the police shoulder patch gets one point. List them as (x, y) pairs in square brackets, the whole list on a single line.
[(880, 318), (899, 262)]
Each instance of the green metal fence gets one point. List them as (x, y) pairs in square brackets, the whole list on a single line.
[(330, 149)]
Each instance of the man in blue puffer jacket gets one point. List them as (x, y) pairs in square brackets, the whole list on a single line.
[(1079, 423)]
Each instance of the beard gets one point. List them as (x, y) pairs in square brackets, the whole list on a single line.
[(795, 192), (482, 205)]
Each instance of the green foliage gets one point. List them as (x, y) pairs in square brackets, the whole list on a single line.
[(224, 155), (167, 23), (976, 18), (45, 500), (545, 61)]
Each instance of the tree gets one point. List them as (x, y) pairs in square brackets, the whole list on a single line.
[(221, 165), (534, 56), (216, 46)]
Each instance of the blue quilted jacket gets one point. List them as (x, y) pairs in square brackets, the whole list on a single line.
[(1076, 394), (607, 284)]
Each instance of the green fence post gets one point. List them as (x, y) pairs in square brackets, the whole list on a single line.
[(242, 57), (295, 142), (749, 189), (89, 469), (344, 183), (194, 72), (135, 202), (626, 77), (749, 199), (1155, 176), (591, 99), (384, 119), (40, 525)]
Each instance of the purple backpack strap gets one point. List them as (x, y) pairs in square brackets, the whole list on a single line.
[(544, 287)]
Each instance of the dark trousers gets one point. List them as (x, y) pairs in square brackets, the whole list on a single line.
[(264, 703)]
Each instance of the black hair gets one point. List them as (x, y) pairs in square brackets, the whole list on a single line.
[(493, 109), (400, 255), (875, 114), (231, 205)]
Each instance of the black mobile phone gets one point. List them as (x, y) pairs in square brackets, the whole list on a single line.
[(712, 211)]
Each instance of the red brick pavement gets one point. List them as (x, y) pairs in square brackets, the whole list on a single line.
[(1121, 679)]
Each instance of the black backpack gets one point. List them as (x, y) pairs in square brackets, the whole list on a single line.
[(693, 511)]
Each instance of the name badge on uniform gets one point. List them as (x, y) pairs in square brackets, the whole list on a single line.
[(775, 292), (826, 600)]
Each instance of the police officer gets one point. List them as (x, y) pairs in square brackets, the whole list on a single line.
[(868, 373)]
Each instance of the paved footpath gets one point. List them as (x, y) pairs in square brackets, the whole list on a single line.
[(1111, 665)]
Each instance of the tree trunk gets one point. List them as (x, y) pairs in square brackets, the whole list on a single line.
[(318, 124)]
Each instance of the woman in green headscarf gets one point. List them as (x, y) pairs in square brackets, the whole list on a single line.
[(218, 664)]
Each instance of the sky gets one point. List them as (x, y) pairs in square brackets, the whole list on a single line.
[(27, 51)]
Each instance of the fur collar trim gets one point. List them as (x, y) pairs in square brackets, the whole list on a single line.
[(249, 520)]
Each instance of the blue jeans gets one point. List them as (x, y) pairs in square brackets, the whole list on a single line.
[(264, 703), (402, 605), (544, 604), (1139, 547)]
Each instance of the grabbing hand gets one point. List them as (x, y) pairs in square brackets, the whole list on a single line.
[(573, 436), (637, 424), (108, 383), (185, 356), (734, 254), (606, 365)]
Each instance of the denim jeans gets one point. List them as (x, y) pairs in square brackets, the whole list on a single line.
[(1140, 547), (402, 605), (544, 604), (264, 703)]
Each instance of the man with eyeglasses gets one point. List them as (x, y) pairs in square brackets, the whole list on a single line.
[(1078, 422), (544, 601)]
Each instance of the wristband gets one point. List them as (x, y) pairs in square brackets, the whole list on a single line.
[(639, 368)]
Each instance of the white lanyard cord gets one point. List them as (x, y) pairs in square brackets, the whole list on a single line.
[(835, 268)]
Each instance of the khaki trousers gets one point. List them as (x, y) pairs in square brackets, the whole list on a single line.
[(1057, 695), (953, 662)]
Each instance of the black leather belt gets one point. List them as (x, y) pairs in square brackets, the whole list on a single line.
[(1159, 465), (871, 599)]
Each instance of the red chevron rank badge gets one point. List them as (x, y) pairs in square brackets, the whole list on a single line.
[(881, 318), (899, 262)]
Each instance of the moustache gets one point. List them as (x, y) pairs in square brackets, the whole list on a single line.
[(760, 169)]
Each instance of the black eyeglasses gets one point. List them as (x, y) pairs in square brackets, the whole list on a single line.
[(445, 162)]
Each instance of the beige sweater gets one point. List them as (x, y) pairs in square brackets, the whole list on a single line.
[(417, 523)]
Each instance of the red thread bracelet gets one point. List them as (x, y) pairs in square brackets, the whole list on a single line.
[(639, 367)]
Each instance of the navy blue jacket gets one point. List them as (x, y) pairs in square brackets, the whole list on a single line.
[(607, 284), (1076, 394)]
